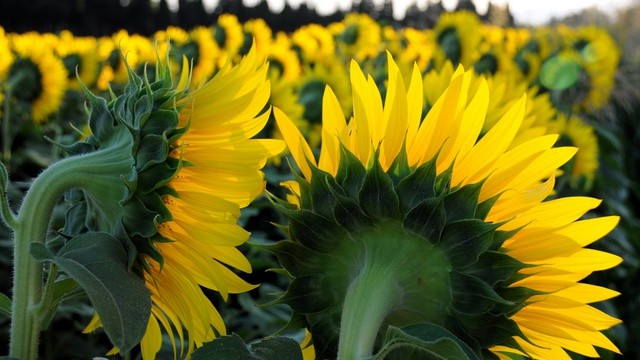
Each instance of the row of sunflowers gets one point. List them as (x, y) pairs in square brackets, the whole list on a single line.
[(422, 191), (561, 68)]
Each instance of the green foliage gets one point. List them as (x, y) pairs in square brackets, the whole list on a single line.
[(233, 348), (98, 262), (423, 341)]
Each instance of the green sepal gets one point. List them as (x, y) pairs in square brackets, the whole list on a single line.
[(5, 305), (495, 268), (153, 149), (76, 148), (289, 254), (138, 219), (427, 219), (465, 240), (75, 219), (400, 169), (490, 329), (142, 108), (163, 122), (443, 181), (500, 236), (314, 231), (377, 197), (232, 347), (157, 175), (296, 322), (101, 122), (418, 186), (321, 200), (484, 207), (348, 213), (308, 294), (350, 173), (98, 262), (423, 341), (462, 203), (471, 295)]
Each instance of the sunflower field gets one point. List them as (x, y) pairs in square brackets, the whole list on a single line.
[(350, 191)]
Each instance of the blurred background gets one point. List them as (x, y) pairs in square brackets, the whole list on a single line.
[(615, 124)]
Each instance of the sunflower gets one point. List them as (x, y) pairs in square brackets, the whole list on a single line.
[(6, 57), (229, 37), (259, 31), (37, 77), (599, 57), (112, 52), (189, 193), (283, 61), (358, 36), (314, 43), (80, 57), (197, 45), (576, 132), (310, 88), (424, 228), (458, 35)]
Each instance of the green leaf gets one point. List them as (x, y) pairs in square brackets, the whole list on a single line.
[(558, 73), (233, 348), (98, 262), (5, 305), (471, 295), (63, 289), (423, 341)]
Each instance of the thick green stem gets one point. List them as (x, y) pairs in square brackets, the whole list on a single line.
[(369, 299), (33, 224)]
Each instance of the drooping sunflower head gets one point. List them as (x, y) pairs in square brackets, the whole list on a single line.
[(198, 46), (259, 31), (283, 61), (6, 57), (189, 166), (405, 220), (37, 77)]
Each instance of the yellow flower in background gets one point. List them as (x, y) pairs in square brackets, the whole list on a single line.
[(310, 88), (315, 43), (6, 57), (113, 50), (217, 172), (197, 45), (411, 217), (357, 36), (78, 55), (283, 61), (458, 36), (227, 34), (39, 78), (259, 31), (576, 132)]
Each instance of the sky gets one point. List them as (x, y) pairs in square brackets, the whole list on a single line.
[(526, 12)]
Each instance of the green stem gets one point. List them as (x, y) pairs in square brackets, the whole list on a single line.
[(32, 224), (369, 299)]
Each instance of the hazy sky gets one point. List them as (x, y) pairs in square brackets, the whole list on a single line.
[(525, 11)]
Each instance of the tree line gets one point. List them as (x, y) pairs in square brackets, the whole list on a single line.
[(104, 17)]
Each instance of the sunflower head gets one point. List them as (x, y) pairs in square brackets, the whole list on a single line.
[(416, 223), (184, 165)]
